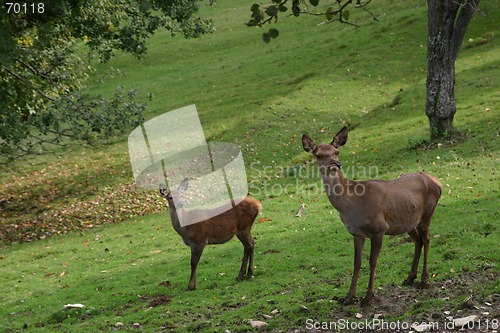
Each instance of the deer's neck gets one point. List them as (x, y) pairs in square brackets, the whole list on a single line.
[(336, 189), (174, 217)]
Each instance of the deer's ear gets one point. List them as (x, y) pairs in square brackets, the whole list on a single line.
[(308, 144), (341, 138), (184, 185)]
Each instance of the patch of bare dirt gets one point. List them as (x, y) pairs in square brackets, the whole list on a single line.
[(448, 141), (156, 300), (439, 305)]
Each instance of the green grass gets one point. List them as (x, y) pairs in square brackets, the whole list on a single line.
[(262, 97)]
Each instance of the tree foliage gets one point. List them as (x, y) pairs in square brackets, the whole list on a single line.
[(42, 69)]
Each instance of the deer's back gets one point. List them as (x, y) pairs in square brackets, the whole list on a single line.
[(221, 228), (393, 206), (410, 188)]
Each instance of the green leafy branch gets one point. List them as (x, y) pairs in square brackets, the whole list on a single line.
[(42, 74), (338, 11)]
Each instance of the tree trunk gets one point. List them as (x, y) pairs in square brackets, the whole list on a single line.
[(447, 24)]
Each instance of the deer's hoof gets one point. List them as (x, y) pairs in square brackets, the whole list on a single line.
[(348, 300), (240, 278), (366, 301), (190, 288), (424, 285), (408, 282)]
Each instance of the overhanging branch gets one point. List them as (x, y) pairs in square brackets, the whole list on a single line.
[(26, 82)]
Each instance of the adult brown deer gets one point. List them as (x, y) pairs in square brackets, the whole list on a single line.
[(374, 208), (216, 230)]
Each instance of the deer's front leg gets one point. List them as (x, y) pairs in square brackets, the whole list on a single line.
[(196, 252), (376, 245), (359, 243)]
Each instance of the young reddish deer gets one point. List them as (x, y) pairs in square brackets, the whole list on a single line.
[(374, 208), (216, 230)]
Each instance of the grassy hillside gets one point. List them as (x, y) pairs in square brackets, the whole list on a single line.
[(313, 79)]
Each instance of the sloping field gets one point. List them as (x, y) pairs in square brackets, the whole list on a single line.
[(116, 253)]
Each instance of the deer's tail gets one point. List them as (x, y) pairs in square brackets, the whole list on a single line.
[(437, 182), (255, 203)]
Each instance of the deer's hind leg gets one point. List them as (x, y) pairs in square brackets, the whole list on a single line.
[(248, 249), (417, 239), (423, 229)]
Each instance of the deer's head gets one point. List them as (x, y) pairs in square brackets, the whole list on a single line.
[(169, 194), (327, 155), (165, 192)]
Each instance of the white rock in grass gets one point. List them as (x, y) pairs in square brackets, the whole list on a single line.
[(460, 322), (258, 323)]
